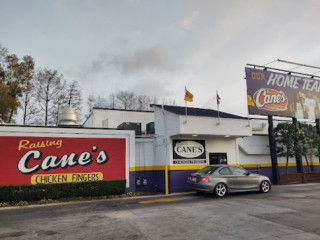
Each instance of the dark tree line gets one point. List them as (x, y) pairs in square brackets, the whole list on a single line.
[(126, 100)]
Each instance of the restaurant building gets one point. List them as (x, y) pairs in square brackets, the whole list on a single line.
[(153, 150)]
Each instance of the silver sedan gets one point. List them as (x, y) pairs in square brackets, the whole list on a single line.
[(223, 179)]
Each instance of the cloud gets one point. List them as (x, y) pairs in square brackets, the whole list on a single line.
[(133, 2), (152, 87), (155, 58), (151, 59), (188, 20)]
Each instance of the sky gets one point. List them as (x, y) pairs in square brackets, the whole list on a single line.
[(157, 47)]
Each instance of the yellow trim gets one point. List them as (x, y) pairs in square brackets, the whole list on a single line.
[(167, 179), (170, 167), (270, 165), (195, 167), (161, 200), (186, 167), (147, 168)]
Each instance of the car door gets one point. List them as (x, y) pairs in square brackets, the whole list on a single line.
[(227, 176), (241, 179)]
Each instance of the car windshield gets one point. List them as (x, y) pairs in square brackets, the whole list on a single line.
[(207, 170)]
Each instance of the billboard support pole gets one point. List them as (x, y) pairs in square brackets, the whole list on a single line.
[(318, 130), (298, 158), (318, 126), (273, 153)]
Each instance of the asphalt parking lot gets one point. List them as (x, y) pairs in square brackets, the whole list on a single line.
[(287, 212)]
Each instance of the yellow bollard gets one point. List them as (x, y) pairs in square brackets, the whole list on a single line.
[(167, 179)]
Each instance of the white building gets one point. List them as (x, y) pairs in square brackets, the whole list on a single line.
[(112, 118), (161, 160), (229, 139)]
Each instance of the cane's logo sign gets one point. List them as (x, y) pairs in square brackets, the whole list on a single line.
[(189, 149), (34, 159), (270, 100)]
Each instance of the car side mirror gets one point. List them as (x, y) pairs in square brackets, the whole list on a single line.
[(247, 173)]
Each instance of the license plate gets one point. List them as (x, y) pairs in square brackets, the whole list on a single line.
[(193, 179)]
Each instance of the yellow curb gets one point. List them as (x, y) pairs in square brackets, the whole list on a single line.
[(162, 200)]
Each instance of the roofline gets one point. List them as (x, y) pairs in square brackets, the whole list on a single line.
[(126, 110), (87, 118), (163, 106)]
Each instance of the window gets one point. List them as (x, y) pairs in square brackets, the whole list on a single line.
[(238, 171), (225, 171), (218, 158), (207, 170)]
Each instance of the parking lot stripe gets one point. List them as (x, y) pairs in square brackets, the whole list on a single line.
[(159, 200)]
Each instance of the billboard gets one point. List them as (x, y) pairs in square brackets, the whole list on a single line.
[(278, 94), (34, 160)]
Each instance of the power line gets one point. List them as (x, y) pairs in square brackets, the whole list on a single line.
[(270, 62)]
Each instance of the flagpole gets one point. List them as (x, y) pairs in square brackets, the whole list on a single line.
[(218, 106), (186, 111), (248, 110), (185, 88)]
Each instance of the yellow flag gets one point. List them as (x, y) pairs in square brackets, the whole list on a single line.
[(188, 96)]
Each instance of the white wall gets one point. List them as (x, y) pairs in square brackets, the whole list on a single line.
[(256, 150), (166, 124), (213, 145), (212, 126), (116, 117), (144, 149)]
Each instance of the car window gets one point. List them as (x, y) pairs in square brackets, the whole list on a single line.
[(225, 171), (238, 171), (207, 170)]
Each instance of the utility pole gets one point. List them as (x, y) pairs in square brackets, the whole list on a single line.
[(273, 153)]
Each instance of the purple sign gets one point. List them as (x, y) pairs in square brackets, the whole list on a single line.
[(277, 94)]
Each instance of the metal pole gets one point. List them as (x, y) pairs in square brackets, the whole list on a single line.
[(299, 64), (273, 153), (186, 112), (318, 130), (318, 126), (298, 158), (167, 179), (287, 71)]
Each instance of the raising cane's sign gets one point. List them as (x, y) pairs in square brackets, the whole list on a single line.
[(277, 94), (34, 160)]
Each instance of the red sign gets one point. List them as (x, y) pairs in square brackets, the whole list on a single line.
[(270, 99), (33, 160)]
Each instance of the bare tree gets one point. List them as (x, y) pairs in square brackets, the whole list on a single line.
[(144, 102), (168, 101), (29, 103), (91, 101), (112, 101), (95, 102), (127, 100), (73, 97), (49, 86)]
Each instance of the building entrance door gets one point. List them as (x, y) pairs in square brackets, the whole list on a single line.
[(218, 158)]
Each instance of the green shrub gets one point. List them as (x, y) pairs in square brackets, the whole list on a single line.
[(22, 203), (4, 204), (17, 193), (47, 201)]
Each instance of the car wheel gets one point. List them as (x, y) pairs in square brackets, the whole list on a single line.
[(265, 186), (221, 190)]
